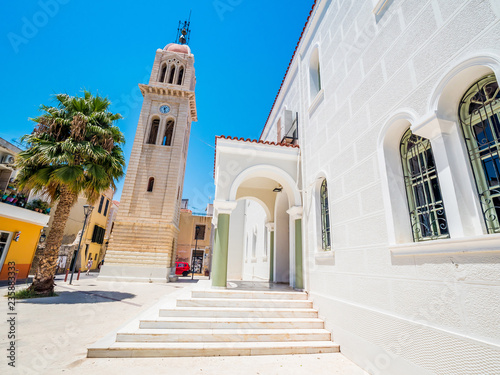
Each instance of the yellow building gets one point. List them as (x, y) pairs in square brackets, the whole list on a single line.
[(92, 245), (20, 231), (196, 253)]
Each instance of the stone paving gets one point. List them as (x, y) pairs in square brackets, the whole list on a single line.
[(53, 335)]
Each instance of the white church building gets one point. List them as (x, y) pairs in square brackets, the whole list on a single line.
[(375, 184)]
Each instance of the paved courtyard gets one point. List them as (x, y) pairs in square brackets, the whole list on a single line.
[(53, 335)]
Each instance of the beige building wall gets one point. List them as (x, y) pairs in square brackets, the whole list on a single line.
[(187, 238)]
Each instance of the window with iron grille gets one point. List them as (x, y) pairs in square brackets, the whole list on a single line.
[(98, 234), (325, 217), (425, 202), (480, 119)]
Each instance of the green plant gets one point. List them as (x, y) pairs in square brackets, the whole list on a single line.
[(29, 293)]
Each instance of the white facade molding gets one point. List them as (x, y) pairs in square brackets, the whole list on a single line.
[(476, 244), (324, 257), (22, 214), (456, 178), (316, 101), (224, 207), (270, 227), (295, 212)]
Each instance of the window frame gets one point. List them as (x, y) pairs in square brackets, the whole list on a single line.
[(481, 152), (324, 216), (421, 181)]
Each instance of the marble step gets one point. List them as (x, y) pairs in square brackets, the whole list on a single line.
[(256, 323), (210, 349), (223, 335), (240, 294), (226, 302), (241, 312)]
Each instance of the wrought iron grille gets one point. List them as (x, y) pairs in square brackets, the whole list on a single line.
[(425, 202), (480, 119), (325, 217)]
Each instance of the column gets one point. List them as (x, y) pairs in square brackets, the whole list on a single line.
[(221, 241), (270, 228), (455, 175), (296, 215)]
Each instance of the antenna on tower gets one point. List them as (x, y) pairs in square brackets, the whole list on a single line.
[(183, 31)]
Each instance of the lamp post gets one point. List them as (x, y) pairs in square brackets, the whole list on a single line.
[(87, 209), (196, 231)]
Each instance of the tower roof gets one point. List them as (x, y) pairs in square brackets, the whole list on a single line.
[(179, 48)]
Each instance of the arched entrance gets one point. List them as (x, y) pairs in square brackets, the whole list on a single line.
[(261, 173)]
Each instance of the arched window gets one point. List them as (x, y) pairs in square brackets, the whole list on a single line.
[(172, 74), (151, 183), (154, 131), (425, 202), (314, 74), (169, 133), (480, 119), (180, 76), (325, 217), (163, 73)]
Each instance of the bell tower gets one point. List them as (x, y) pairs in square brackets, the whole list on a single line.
[(144, 238)]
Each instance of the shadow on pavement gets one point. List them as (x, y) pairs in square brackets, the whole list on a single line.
[(79, 297)]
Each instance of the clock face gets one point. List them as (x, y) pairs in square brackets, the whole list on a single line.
[(164, 109)]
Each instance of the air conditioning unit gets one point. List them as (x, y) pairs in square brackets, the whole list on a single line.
[(8, 159)]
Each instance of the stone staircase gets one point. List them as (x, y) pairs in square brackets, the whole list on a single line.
[(225, 323)]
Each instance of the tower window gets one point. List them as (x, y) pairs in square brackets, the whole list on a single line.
[(172, 74), (151, 183), (480, 118), (169, 132), (180, 76), (425, 202), (154, 131), (163, 73)]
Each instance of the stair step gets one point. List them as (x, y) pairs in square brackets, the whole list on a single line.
[(225, 302), (241, 312), (240, 294), (223, 335), (261, 323), (211, 349)]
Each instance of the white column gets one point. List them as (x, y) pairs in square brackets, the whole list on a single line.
[(456, 180)]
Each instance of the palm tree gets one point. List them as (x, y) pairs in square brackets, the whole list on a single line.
[(74, 149)]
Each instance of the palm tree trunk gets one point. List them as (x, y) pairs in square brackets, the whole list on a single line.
[(43, 284)]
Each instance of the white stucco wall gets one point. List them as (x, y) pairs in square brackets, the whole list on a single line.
[(436, 309)]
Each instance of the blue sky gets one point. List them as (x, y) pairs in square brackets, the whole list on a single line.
[(242, 49)]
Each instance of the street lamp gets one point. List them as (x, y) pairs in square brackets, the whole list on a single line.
[(197, 230), (87, 210)]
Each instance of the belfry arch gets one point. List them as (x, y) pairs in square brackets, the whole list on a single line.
[(265, 173)]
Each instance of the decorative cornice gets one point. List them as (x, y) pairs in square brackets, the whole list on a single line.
[(270, 227), (224, 207), (295, 212), (169, 90)]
